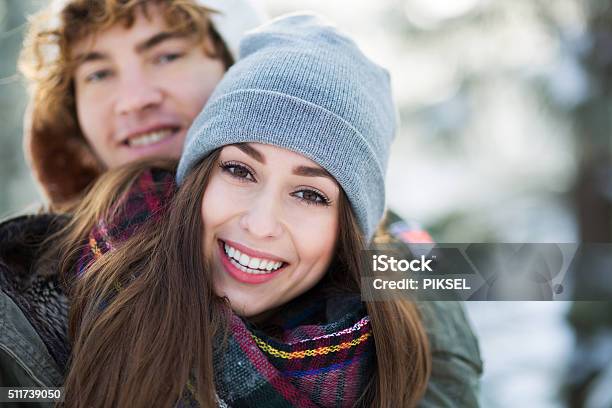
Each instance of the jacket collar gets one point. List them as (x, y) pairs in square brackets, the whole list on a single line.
[(33, 306)]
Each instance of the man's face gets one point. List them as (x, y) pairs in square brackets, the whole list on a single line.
[(139, 89)]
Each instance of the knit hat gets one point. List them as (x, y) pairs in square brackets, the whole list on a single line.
[(303, 86), (63, 163)]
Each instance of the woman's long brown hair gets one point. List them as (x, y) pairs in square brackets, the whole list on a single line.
[(139, 346), (403, 358)]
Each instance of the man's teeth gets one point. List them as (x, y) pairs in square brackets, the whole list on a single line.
[(146, 139), (250, 264)]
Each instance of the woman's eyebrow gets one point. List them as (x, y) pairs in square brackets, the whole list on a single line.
[(305, 171), (311, 172), (251, 151)]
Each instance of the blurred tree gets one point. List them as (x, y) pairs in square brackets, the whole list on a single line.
[(15, 188), (593, 120), (592, 321)]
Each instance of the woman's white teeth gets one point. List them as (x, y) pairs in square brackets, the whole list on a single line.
[(244, 260), (250, 264), (253, 263), (146, 139)]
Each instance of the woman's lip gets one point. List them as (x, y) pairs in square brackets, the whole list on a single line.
[(241, 276), (252, 252)]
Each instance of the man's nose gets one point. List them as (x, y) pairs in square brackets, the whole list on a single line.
[(137, 93), (263, 217)]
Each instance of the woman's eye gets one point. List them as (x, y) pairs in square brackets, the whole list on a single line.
[(98, 76), (238, 171), (312, 197), (165, 58)]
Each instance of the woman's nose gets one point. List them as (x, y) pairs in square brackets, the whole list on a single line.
[(262, 219)]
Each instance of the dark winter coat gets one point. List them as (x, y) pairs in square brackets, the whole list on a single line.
[(34, 347)]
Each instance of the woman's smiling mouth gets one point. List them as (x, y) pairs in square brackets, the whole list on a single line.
[(252, 268)]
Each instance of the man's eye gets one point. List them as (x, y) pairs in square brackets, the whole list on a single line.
[(312, 197), (165, 58), (237, 171), (98, 76)]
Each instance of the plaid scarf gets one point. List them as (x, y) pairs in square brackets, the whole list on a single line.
[(317, 351)]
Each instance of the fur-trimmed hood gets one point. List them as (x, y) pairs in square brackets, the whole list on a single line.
[(61, 160)]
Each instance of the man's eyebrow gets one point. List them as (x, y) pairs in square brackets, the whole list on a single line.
[(251, 151), (311, 172), (157, 39), (90, 57), (140, 47)]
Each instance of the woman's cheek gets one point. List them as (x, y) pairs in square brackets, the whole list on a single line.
[(314, 221), (222, 200), (316, 233), (212, 203)]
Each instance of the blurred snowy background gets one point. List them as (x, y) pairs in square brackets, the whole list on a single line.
[(506, 118)]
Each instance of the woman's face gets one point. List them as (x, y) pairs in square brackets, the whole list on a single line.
[(270, 224)]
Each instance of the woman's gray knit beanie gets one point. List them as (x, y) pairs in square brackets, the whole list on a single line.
[(302, 85)]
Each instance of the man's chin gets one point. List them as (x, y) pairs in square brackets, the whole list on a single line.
[(149, 154)]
